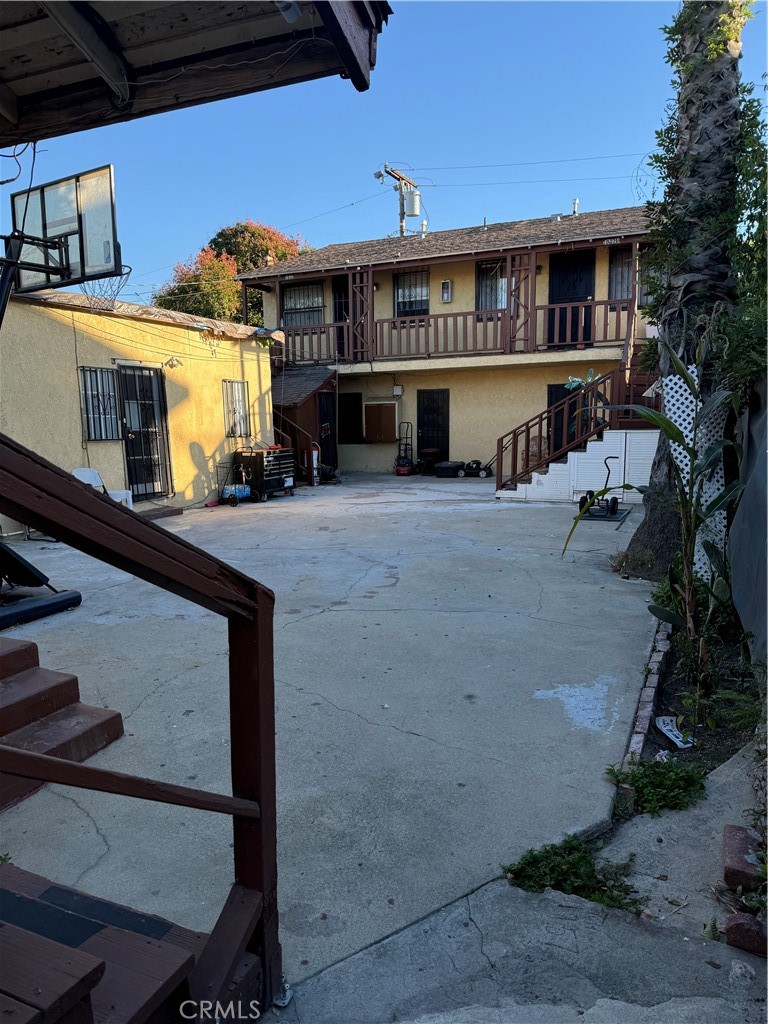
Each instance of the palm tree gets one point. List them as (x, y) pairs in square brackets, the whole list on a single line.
[(693, 227)]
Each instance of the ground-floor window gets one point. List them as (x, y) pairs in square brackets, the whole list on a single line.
[(98, 393), (237, 420)]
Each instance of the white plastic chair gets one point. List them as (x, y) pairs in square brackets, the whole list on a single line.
[(93, 478)]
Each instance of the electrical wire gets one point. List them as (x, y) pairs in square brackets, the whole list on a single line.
[(15, 156), (527, 163), (336, 209), (529, 181)]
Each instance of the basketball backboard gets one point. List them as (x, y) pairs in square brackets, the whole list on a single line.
[(78, 211)]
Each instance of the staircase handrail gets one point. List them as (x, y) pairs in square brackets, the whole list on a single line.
[(596, 388), (37, 493)]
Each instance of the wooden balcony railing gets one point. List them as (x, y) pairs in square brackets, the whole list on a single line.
[(483, 332), (581, 323), (39, 494), (567, 425)]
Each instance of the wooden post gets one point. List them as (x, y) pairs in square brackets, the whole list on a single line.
[(252, 735)]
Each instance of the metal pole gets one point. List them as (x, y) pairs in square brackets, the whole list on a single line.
[(8, 276)]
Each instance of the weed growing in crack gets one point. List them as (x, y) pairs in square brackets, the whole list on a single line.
[(660, 784), (570, 867)]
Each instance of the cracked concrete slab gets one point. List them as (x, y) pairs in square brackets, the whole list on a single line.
[(504, 956), (418, 624)]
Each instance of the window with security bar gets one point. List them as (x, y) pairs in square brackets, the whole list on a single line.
[(98, 395), (303, 304), (491, 285), (237, 420), (412, 294), (620, 272)]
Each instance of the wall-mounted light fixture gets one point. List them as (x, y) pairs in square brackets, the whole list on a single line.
[(446, 291), (538, 269), (375, 286), (172, 363), (397, 390)]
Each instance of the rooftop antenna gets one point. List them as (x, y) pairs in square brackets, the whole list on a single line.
[(408, 194)]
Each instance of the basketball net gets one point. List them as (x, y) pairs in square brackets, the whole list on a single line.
[(102, 292)]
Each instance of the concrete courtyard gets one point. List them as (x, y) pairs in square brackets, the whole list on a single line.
[(449, 692)]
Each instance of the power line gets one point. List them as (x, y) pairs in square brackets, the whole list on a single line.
[(529, 181), (528, 163), (336, 209)]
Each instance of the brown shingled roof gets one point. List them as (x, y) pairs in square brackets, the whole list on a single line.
[(630, 220)]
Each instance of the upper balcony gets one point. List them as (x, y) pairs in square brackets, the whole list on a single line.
[(523, 288), (547, 328)]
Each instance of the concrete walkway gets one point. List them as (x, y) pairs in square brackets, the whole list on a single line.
[(449, 693), (504, 956)]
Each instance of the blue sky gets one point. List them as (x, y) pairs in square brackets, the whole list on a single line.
[(564, 97)]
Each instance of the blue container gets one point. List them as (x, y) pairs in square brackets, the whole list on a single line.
[(240, 491)]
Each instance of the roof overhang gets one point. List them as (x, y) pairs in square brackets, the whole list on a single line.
[(66, 67)]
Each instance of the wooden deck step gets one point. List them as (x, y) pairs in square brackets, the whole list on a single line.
[(52, 979), (16, 655), (73, 733), (34, 693), (147, 959)]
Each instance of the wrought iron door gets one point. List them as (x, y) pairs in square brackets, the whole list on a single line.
[(432, 424), (144, 413)]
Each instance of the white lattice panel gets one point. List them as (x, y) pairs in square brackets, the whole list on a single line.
[(681, 407)]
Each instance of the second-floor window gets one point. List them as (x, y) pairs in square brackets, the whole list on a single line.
[(491, 285), (620, 272), (303, 304), (237, 421), (412, 293)]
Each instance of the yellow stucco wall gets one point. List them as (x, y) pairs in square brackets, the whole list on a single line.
[(41, 348), (483, 404)]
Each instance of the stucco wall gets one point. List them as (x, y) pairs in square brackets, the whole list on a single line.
[(41, 349), (483, 404)]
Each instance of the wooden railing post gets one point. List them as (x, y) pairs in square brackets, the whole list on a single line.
[(252, 736)]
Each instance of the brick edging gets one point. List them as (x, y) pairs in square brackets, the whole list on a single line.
[(646, 704)]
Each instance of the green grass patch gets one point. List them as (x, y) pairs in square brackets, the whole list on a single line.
[(570, 867), (660, 784)]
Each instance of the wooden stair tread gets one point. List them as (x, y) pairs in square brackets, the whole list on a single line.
[(69, 727), (96, 909), (16, 655), (32, 694), (45, 975), (141, 971), (14, 1012), (73, 733)]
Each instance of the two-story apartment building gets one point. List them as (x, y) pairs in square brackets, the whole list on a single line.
[(464, 333)]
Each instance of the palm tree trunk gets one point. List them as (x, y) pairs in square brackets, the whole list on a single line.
[(693, 226)]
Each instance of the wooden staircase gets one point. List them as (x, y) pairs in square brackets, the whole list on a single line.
[(70, 958), (568, 425), (41, 712)]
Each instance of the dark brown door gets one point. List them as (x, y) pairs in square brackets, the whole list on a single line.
[(432, 424), (144, 414), (326, 419), (571, 281)]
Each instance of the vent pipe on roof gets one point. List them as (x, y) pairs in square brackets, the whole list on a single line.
[(575, 207)]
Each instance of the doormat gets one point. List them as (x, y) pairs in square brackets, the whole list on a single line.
[(617, 520)]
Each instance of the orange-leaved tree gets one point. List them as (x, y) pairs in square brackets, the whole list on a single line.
[(205, 286)]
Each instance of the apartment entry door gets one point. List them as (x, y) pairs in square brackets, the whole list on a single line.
[(432, 424), (571, 284), (142, 392)]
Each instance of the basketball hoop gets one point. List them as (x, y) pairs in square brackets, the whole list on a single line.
[(102, 292)]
